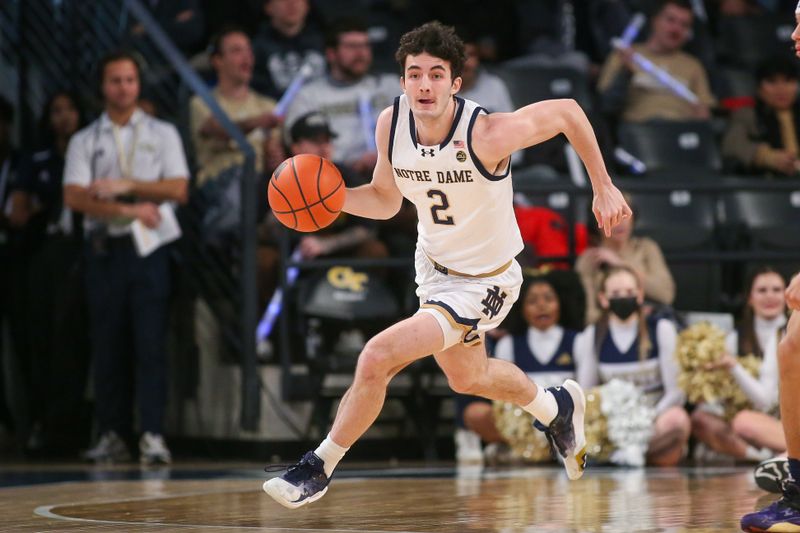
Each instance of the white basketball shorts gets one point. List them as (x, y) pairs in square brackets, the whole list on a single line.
[(465, 307)]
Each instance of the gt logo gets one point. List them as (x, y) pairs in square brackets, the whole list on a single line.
[(426, 153), (346, 278)]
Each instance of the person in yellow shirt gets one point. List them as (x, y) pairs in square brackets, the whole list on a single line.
[(636, 96), (232, 58)]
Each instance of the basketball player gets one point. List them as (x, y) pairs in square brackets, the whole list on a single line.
[(783, 516), (451, 159)]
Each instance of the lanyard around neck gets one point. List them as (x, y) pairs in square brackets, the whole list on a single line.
[(125, 160)]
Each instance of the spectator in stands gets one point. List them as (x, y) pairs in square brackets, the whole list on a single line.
[(634, 95), (14, 215), (479, 85), (59, 345), (547, 34), (496, 23), (182, 20), (232, 58), (625, 344), (285, 42), (347, 236), (122, 170), (596, 23), (541, 343), (641, 254), (753, 434), (764, 138), (484, 87), (338, 94)]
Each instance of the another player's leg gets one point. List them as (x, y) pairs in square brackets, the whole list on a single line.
[(384, 356), (784, 515), (559, 410)]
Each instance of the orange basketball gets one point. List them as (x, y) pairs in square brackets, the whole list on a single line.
[(306, 192)]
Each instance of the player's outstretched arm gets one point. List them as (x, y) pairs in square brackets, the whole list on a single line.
[(379, 199), (498, 135)]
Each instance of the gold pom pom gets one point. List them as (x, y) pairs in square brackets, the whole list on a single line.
[(699, 346), (598, 446), (516, 426)]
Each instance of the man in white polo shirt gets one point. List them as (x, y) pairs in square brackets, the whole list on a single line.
[(117, 172)]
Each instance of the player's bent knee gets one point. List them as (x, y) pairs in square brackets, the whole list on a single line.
[(374, 363), (464, 383)]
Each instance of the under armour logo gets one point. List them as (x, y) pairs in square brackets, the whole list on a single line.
[(493, 302), (426, 153)]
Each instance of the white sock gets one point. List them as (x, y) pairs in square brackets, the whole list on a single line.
[(331, 453), (544, 407)]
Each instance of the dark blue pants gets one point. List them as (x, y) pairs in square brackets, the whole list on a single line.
[(128, 303)]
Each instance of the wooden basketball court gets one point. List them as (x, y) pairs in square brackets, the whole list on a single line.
[(211, 497)]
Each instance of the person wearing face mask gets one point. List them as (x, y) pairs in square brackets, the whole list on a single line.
[(624, 344), (541, 343), (753, 433), (622, 248), (763, 139)]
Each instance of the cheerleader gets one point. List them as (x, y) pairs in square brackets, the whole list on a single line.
[(625, 344), (753, 434)]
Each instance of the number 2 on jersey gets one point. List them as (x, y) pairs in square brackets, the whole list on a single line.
[(438, 209)]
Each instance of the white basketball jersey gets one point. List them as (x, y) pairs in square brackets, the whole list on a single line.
[(466, 213)]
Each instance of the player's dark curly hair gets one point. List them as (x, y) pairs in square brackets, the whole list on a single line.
[(435, 39)]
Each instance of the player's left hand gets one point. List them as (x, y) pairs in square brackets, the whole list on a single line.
[(108, 189), (609, 208)]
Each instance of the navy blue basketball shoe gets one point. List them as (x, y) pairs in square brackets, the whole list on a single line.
[(302, 483), (783, 516), (565, 432)]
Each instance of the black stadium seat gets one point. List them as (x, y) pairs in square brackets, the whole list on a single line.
[(746, 41), (769, 220), (672, 145), (681, 221), (529, 83), (678, 220)]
